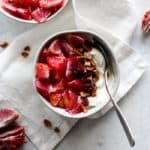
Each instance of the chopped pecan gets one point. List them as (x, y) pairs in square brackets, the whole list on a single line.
[(94, 91), (57, 130), (27, 48), (84, 94), (4, 44), (90, 68), (82, 57), (87, 63), (47, 123), (25, 54), (93, 63), (88, 55), (96, 74)]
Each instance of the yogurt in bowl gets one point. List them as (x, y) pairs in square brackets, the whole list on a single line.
[(32, 11), (69, 74)]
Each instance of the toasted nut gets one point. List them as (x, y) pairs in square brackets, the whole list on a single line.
[(82, 57), (47, 123), (96, 74), (4, 45), (84, 94), (90, 68), (27, 48), (94, 91), (87, 63), (57, 130), (88, 55), (25, 54), (93, 63)]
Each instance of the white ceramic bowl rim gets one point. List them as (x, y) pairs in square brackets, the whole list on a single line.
[(96, 109), (31, 21)]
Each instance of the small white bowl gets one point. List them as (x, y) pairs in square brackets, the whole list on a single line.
[(102, 97), (30, 21)]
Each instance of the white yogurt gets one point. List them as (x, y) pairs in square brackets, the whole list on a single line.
[(101, 97)]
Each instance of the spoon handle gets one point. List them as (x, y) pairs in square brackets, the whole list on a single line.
[(125, 126), (121, 117)]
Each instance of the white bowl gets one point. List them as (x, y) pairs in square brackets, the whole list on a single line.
[(31, 21), (102, 97)]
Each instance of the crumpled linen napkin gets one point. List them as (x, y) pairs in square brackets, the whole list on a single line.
[(16, 72)]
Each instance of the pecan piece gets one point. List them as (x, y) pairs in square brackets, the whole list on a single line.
[(90, 68), (84, 94), (47, 123), (4, 45), (88, 55), (94, 91)]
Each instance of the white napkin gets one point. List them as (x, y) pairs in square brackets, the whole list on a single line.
[(116, 16), (16, 72)]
